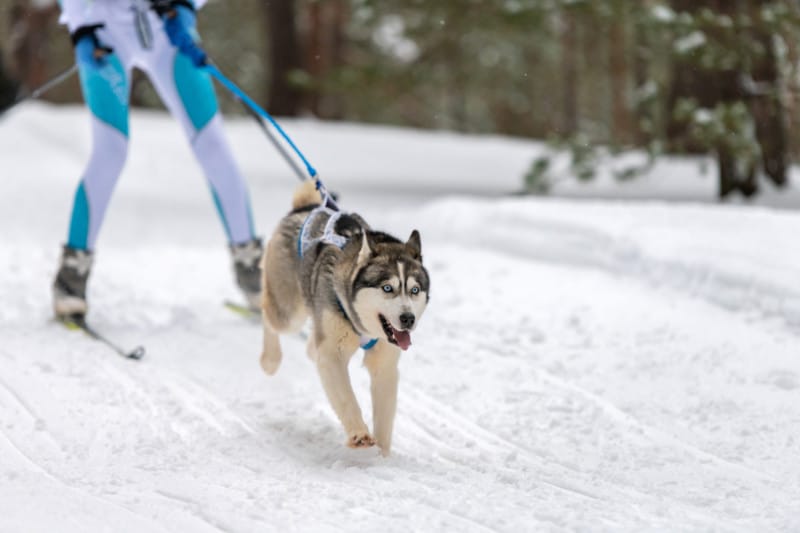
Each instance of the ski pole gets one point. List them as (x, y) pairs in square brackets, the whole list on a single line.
[(330, 198), (278, 146), (259, 114), (43, 88), (79, 322)]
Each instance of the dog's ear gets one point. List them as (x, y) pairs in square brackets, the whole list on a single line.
[(415, 245), (366, 249)]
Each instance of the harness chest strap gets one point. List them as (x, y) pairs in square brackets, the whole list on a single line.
[(329, 235)]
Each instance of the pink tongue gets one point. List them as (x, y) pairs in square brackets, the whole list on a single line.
[(403, 339)]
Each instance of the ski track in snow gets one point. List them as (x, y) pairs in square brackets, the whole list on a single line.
[(582, 365)]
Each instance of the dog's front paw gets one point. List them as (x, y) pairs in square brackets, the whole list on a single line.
[(361, 439), (270, 362), (386, 449)]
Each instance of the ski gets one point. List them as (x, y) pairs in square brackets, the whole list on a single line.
[(243, 310), (78, 322)]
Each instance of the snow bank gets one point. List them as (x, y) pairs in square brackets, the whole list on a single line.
[(744, 259)]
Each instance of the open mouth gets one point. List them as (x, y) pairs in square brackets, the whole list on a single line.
[(401, 338)]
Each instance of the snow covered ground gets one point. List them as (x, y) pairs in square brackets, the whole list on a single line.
[(584, 364)]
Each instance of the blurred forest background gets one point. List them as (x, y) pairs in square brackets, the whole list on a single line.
[(715, 77)]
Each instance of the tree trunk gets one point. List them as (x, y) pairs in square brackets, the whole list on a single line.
[(324, 54), (769, 111), (618, 52), (283, 98), (691, 82), (790, 99), (8, 87), (569, 54), (334, 104), (709, 87), (644, 113), (28, 41), (315, 56)]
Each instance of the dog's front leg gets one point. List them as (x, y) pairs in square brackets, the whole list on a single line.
[(381, 361), (332, 367)]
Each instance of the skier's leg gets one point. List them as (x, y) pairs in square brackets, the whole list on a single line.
[(109, 150), (188, 93), (105, 91)]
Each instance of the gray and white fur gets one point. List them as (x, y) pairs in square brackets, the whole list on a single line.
[(374, 287)]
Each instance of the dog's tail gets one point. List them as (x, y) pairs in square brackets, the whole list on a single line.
[(306, 194)]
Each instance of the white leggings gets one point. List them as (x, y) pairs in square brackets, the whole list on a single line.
[(188, 94)]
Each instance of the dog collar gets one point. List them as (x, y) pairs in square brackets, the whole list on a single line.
[(366, 343)]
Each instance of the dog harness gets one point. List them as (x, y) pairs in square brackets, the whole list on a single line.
[(329, 236)]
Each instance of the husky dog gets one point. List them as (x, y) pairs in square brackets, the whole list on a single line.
[(361, 288)]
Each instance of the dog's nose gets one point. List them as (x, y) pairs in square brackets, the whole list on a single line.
[(407, 320)]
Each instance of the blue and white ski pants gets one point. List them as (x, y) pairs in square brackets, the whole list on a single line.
[(188, 94)]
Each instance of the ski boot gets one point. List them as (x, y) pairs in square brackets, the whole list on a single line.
[(246, 265), (69, 287)]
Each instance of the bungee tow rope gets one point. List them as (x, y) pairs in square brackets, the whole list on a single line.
[(260, 113)]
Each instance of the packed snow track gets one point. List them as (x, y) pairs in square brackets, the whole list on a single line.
[(589, 365)]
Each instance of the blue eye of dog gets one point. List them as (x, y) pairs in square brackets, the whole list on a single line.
[(415, 290), (387, 288)]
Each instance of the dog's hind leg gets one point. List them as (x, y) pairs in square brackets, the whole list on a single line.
[(381, 362), (271, 353), (281, 302)]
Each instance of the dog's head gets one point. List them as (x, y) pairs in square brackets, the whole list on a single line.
[(389, 287)]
